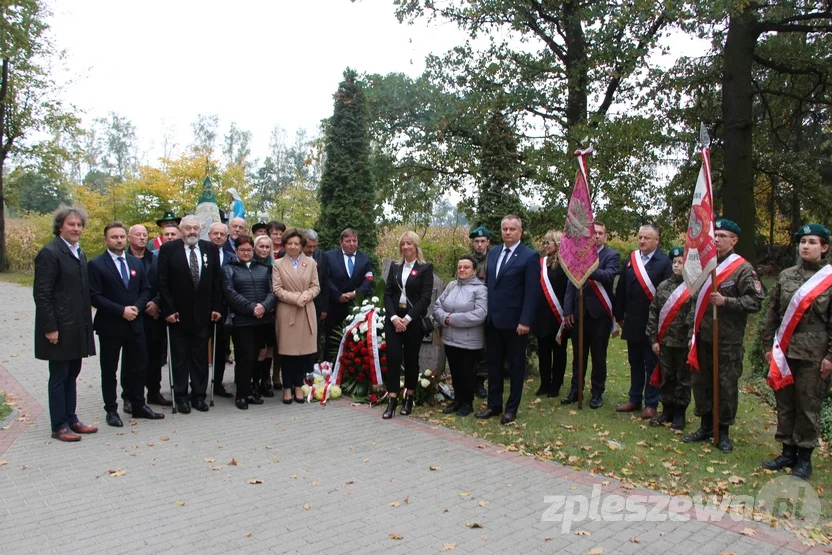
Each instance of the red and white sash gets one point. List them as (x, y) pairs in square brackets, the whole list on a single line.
[(605, 301), (551, 298), (728, 267), (779, 373), (642, 276), (667, 315)]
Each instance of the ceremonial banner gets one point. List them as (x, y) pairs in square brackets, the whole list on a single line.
[(700, 250), (578, 253), (206, 208)]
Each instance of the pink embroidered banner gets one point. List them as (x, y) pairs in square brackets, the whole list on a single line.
[(578, 254)]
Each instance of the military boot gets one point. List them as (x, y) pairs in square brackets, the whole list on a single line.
[(803, 466), (705, 431), (665, 416), (787, 459), (678, 418), (724, 444)]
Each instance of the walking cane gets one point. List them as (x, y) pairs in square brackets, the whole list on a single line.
[(213, 363), (170, 369)]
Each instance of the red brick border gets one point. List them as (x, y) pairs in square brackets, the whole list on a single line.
[(585, 478), (27, 409)]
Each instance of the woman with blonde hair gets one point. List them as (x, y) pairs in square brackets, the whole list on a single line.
[(261, 378), (551, 336), (406, 299)]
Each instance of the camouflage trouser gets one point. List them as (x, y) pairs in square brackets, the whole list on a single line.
[(675, 389), (702, 382), (799, 404), (481, 366)]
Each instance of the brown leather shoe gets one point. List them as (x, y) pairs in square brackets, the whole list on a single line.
[(81, 428), (628, 407), (65, 434), (648, 413)]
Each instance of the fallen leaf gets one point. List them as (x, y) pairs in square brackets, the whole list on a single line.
[(395, 536), (116, 473), (448, 547), (635, 540), (434, 468), (596, 551), (748, 532), (582, 533), (464, 493), (710, 469), (180, 503), (294, 476), (214, 467), (482, 503), (254, 481), (307, 506), (233, 462), (4, 463), (473, 525), (394, 504), (314, 483), (349, 482), (572, 413), (406, 500), (547, 539), (736, 479), (164, 438), (248, 534), (209, 460)]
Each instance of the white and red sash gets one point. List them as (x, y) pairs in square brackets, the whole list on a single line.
[(551, 298), (728, 267), (642, 276), (605, 301), (369, 319), (667, 315), (779, 373)]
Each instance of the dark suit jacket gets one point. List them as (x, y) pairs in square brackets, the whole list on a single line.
[(322, 300), (340, 281), (417, 289), (62, 303), (608, 264), (514, 294), (177, 291), (154, 329), (631, 302), (109, 295)]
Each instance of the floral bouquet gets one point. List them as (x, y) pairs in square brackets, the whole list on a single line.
[(320, 384), (429, 388), (362, 362)]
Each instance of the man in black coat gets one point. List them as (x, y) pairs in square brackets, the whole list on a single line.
[(191, 292), (119, 290), (643, 271), (63, 319), (322, 300), (350, 272)]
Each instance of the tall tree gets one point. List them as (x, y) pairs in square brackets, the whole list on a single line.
[(346, 190)]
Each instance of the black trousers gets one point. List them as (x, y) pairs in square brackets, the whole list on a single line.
[(133, 353), (551, 358), (505, 345), (295, 368), (189, 350), (220, 352), (248, 340), (462, 362), (63, 395), (596, 340), (402, 347)]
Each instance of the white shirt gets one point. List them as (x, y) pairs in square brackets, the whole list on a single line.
[(198, 257), (347, 261), (72, 248), (406, 269), (505, 255), (222, 255), (115, 258), (294, 261)]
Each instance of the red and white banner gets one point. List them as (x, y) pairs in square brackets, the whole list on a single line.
[(700, 250), (728, 266), (642, 276), (551, 298), (605, 301), (667, 315), (779, 373)]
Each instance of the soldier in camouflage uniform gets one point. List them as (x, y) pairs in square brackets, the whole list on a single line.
[(480, 242), (740, 294), (808, 355), (674, 393)]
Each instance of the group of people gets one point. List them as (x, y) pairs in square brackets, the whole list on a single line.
[(281, 301)]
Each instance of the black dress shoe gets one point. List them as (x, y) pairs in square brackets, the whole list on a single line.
[(242, 404), (453, 407), (488, 413), (277, 386), (221, 392), (480, 389), (569, 399), (508, 418), (158, 399), (183, 406), (255, 401), (266, 392), (127, 408), (465, 410), (300, 400), (596, 402), (114, 420), (201, 405), (143, 411), (553, 393), (542, 390)]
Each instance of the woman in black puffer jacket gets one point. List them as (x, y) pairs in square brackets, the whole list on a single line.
[(247, 287)]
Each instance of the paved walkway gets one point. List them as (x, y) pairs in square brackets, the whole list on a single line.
[(335, 479)]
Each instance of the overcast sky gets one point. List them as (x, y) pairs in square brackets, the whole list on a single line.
[(256, 62)]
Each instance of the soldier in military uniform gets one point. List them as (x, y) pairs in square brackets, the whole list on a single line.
[(740, 293), (672, 348), (800, 373), (480, 242)]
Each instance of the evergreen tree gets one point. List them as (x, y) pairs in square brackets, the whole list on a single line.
[(346, 190)]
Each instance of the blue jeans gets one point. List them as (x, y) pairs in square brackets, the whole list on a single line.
[(642, 363), (62, 392)]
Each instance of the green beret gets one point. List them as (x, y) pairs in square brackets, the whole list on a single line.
[(677, 251), (812, 229), (168, 217), (728, 225), (481, 231)]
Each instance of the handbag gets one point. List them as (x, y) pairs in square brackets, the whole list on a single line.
[(425, 322)]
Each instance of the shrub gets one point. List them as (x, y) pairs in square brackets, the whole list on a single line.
[(24, 238)]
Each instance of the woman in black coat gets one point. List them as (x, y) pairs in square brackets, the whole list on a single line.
[(247, 287), (551, 355), (407, 294)]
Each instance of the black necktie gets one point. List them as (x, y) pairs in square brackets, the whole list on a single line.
[(123, 270), (506, 254), (194, 267)]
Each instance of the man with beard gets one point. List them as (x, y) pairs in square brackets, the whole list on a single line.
[(191, 293)]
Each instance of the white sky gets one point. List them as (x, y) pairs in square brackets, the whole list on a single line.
[(262, 63)]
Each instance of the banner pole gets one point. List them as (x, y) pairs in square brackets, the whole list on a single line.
[(581, 347), (716, 363)]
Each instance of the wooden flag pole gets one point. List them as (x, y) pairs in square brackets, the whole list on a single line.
[(581, 348), (716, 363)]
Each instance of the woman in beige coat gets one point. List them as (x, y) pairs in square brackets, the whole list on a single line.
[(295, 279)]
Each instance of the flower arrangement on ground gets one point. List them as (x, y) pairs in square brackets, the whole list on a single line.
[(429, 388), (362, 362)]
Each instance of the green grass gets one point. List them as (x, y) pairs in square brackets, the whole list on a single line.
[(5, 409), (20, 278)]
